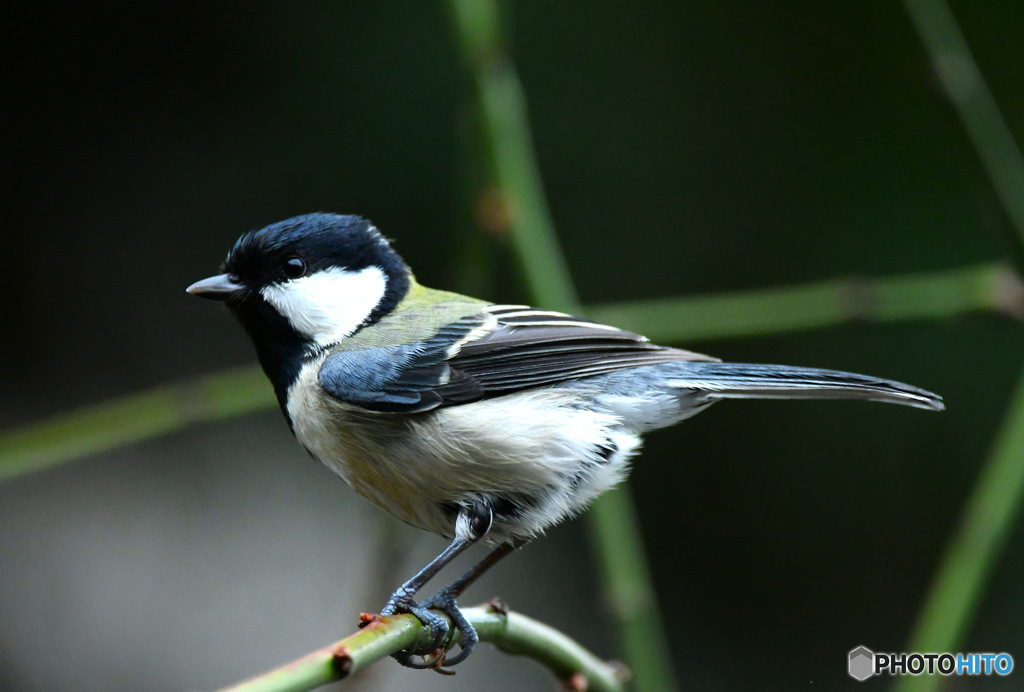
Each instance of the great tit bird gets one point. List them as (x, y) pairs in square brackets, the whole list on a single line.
[(464, 418)]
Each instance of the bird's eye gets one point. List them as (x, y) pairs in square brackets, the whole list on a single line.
[(294, 267)]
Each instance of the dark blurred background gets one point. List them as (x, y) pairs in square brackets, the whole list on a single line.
[(685, 148)]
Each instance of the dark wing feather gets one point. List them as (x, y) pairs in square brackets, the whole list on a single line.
[(526, 348), (533, 348)]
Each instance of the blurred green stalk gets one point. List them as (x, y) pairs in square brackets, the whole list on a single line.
[(988, 519), (974, 103), (502, 107), (935, 295), (133, 418), (617, 536), (994, 503), (926, 295)]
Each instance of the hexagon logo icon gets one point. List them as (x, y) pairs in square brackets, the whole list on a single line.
[(862, 663)]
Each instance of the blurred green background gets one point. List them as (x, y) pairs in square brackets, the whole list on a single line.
[(685, 148)]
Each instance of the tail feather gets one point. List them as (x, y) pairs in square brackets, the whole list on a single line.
[(754, 381)]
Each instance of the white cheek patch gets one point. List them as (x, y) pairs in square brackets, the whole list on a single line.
[(329, 305)]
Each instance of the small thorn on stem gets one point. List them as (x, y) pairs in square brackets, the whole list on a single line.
[(577, 682), (497, 605), (621, 670), (341, 662)]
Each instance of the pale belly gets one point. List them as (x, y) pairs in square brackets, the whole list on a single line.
[(534, 457)]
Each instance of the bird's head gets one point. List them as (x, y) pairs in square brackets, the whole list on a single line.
[(307, 283), (325, 275)]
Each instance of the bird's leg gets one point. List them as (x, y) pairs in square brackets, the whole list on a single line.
[(444, 600), (472, 523), (401, 600)]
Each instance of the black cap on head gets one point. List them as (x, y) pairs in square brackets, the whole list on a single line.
[(321, 240)]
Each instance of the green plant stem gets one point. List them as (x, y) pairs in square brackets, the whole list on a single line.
[(991, 512), (932, 295), (629, 591), (510, 632), (994, 503), (118, 423), (502, 105), (617, 537), (974, 103)]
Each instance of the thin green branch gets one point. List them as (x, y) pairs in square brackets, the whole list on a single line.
[(974, 103), (994, 503), (512, 633), (629, 591), (118, 423), (616, 532), (991, 512), (931, 295), (502, 105)]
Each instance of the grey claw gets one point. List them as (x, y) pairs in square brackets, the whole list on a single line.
[(401, 603), (444, 600)]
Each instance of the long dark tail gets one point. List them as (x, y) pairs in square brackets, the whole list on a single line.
[(753, 381)]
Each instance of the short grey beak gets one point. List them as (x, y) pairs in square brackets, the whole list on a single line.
[(220, 287)]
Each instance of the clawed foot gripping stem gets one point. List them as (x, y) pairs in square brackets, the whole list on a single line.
[(474, 522)]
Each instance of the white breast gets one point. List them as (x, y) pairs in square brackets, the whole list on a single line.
[(539, 445)]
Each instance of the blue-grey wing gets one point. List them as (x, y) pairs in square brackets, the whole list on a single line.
[(521, 348), (407, 378)]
